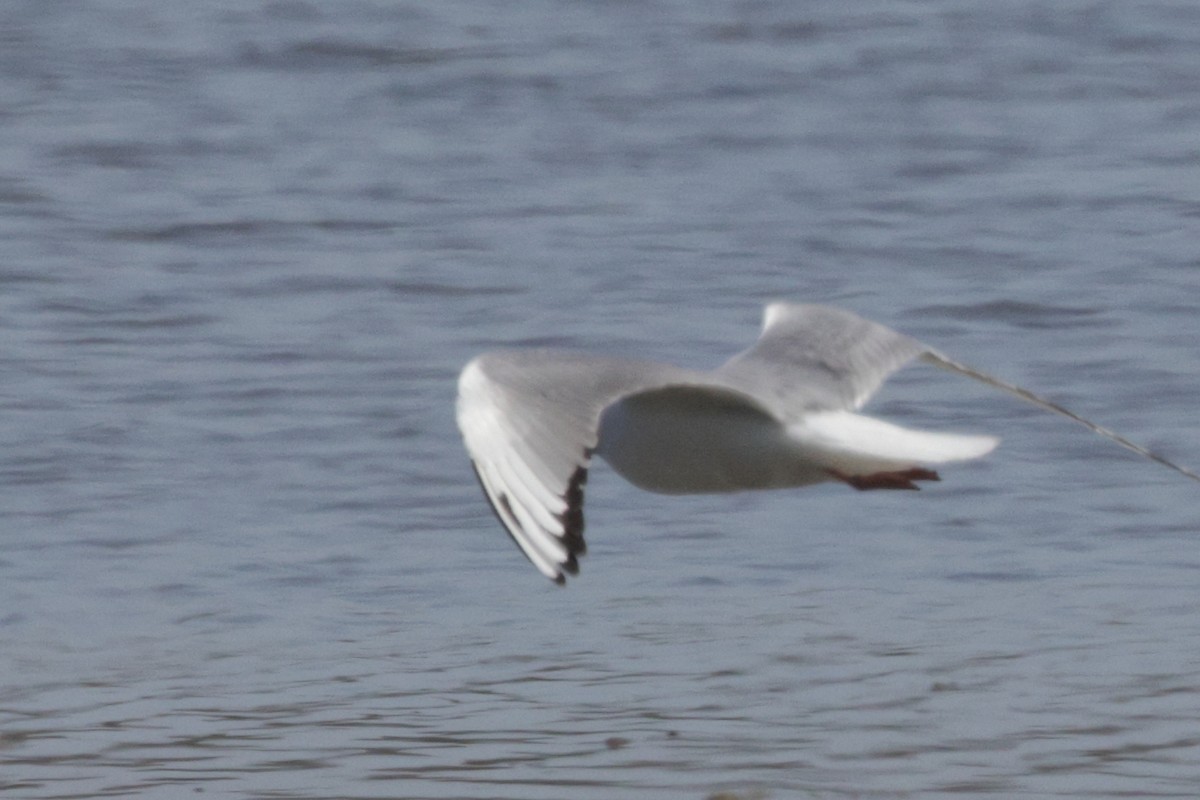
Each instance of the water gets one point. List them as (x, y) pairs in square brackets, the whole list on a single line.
[(247, 247)]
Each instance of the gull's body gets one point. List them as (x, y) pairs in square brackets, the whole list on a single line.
[(781, 414)]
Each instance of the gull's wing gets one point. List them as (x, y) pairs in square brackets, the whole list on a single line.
[(937, 359), (530, 422), (812, 357), (815, 357)]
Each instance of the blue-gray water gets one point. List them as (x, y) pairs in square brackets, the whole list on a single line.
[(246, 246)]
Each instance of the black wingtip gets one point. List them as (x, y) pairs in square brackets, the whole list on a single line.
[(572, 520)]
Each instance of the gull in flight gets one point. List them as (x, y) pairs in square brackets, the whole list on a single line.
[(783, 413)]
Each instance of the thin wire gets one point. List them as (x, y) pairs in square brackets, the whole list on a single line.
[(937, 359)]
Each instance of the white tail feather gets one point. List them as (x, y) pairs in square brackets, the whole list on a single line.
[(858, 444)]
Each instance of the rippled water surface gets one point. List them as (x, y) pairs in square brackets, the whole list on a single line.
[(248, 246)]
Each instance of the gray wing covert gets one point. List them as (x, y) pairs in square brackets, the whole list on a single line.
[(811, 357)]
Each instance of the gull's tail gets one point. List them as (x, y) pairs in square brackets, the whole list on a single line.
[(858, 445), (937, 359)]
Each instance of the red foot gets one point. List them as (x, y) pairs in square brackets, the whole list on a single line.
[(903, 479)]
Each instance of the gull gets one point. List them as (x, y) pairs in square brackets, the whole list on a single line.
[(783, 413)]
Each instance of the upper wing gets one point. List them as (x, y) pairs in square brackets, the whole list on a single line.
[(530, 422), (814, 357)]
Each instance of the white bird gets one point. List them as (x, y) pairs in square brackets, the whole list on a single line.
[(780, 414)]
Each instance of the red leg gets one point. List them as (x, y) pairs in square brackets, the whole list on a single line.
[(902, 479)]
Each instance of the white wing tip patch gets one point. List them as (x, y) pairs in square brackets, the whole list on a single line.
[(773, 312)]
